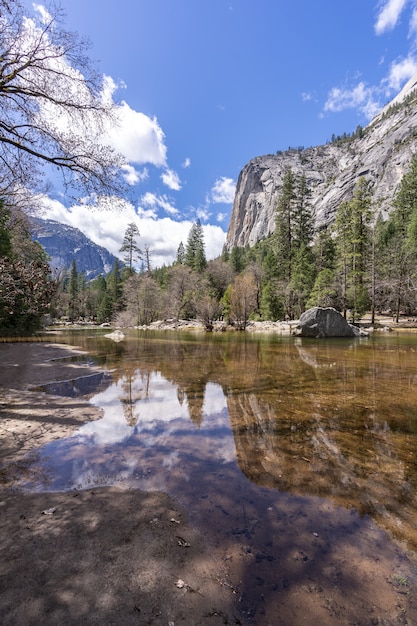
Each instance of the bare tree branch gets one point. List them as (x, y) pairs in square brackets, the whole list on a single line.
[(53, 111)]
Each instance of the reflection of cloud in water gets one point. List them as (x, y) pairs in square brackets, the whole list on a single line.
[(162, 421), (171, 459), (161, 450), (154, 400), (214, 400)]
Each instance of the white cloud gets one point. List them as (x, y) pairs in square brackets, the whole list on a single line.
[(389, 15), (202, 214), (44, 15), (171, 179), (221, 217), (306, 96), (413, 22), (158, 202), (340, 99), (370, 108), (134, 135), (148, 213), (187, 162), (132, 176), (369, 99), (138, 137), (361, 97), (400, 72), (214, 240), (223, 191), (106, 228)]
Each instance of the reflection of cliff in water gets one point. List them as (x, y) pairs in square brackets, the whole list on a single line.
[(341, 439)]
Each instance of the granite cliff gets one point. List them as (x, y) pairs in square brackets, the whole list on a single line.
[(381, 152)]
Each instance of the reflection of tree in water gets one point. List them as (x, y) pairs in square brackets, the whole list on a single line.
[(181, 395), (190, 366), (195, 400), (132, 397), (193, 396)]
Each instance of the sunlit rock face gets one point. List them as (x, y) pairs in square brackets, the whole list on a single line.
[(382, 155), (320, 322)]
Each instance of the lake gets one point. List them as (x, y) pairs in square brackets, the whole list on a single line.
[(232, 424)]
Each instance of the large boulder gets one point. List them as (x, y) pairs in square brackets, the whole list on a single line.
[(325, 322)]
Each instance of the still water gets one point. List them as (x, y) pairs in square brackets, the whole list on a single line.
[(230, 424)]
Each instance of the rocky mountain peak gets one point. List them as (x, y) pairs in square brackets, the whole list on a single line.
[(65, 244), (381, 152)]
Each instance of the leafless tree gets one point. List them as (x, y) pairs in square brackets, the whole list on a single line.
[(54, 108), (148, 260), (143, 299), (243, 298), (182, 287), (220, 275), (207, 309)]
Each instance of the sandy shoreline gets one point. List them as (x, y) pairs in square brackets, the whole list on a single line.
[(114, 556)]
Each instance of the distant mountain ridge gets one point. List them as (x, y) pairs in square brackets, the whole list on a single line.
[(65, 243), (381, 152)]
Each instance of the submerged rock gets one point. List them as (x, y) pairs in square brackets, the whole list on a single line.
[(325, 322)]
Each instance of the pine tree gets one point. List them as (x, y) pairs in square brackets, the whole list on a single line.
[(130, 247), (82, 293), (73, 292), (195, 256), (105, 309), (225, 254), (180, 254), (323, 292), (324, 250), (302, 216), (284, 234), (302, 264), (148, 260), (294, 229), (353, 243), (237, 259), (405, 202), (114, 286), (269, 265), (302, 278), (401, 239), (96, 290), (271, 306)]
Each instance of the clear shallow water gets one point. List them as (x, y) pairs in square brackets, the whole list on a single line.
[(235, 426)]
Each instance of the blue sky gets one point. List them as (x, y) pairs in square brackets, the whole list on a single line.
[(206, 85)]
